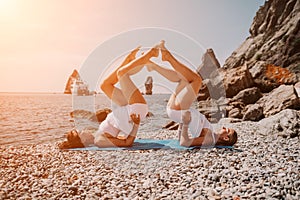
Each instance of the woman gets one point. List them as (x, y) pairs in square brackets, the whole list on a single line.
[(178, 107), (128, 107)]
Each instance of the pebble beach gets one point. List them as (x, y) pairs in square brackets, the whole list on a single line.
[(259, 167)]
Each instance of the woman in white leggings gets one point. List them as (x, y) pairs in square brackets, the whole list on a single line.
[(179, 105), (128, 107)]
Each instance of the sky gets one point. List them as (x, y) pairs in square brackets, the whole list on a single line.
[(42, 42)]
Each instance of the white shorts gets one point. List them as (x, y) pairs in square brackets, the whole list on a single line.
[(197, 123), (120, 117)]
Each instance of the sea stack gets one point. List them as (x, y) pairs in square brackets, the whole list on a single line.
[(149, 85)]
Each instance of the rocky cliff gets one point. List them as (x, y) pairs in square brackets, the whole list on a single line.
[(274, 38), (260, 78)]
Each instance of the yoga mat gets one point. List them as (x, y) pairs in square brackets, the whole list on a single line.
[(147, 144)]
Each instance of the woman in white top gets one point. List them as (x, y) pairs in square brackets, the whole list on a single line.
[(179, 105), (128, 107)]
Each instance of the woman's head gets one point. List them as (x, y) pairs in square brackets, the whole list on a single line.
[(227, 137)]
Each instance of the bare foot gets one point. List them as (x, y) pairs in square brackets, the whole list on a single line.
[(165, 54), (132, 54), (153, 52)]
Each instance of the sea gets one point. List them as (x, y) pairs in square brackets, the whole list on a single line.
[(35, 118)]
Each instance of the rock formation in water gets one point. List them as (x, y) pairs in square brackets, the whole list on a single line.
[(73, 77), (149, 85), (75, 85)]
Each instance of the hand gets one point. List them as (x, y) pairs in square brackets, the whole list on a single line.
[(186, 117), (136, 119), (165, 54)]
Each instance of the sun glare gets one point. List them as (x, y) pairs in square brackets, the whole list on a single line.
[(8, 10)]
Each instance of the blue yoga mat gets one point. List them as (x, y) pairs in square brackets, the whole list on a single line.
[(147, 144)]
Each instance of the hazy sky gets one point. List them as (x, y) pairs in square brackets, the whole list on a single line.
[(41, 42)]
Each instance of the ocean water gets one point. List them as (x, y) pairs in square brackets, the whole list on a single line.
[(40, 118)]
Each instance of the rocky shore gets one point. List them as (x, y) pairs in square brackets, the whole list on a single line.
[(257, 90), (263, 165)]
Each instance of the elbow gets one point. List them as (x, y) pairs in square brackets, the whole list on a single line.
[(105, 85), (128, 144), (129, 141)]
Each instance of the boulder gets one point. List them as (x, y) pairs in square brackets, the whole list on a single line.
[(235, 113), (279, 99), (268, 76), (253, 112), (212, 75), (209, 64), (204, 91), (285, 123), (150, 114), (171, 126), (237, 79), (297, 88), (248, 96), (213, 109), (99, 116)]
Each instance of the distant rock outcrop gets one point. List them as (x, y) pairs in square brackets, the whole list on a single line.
[(149, 85), (75, 85), (74, 76)]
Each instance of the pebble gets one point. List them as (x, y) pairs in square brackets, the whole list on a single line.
[(263, 167)]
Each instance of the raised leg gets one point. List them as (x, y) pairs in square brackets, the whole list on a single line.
[(171, 75), (129, 89), (180, 68), (189, 84), (108, 85)]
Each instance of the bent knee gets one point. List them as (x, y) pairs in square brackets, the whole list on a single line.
[(121, 72), (197, 80), (196, 84), (105, 85)]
